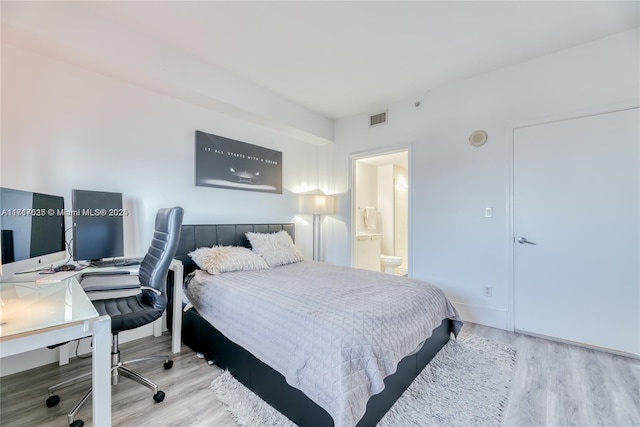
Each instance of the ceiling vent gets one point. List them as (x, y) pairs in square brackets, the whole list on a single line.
[(378, 119)]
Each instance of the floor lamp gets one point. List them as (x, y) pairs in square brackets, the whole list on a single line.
[(317, 205)]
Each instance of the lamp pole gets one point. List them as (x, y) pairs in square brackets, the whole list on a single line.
[(316, 237), (317, 205)]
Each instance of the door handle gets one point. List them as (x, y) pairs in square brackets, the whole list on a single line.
[(523, 240)]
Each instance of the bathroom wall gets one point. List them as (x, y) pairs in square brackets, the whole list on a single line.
[(393, 205), (386, 207), (367, 194), (401, 217)]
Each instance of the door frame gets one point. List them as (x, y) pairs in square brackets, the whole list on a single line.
[(380, 151), (510, 236)]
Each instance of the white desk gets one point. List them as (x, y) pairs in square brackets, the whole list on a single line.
[(34, 316), (176, 329), (176, 324)]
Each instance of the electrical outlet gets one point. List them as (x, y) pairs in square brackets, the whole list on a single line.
[(488, 291)]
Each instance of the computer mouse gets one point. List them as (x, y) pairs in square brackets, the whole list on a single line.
[(66, 267)]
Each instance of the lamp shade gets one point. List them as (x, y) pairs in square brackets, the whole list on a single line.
[(317, 204)]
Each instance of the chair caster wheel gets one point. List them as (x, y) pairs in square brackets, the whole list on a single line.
[(159, 396), (53, 401), (77, 423), (168, 364)]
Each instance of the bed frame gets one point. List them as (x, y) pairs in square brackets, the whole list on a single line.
[(264, 381)]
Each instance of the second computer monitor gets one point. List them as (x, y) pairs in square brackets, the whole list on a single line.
[(97, 225)]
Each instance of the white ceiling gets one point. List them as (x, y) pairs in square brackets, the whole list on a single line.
[(345, 58)]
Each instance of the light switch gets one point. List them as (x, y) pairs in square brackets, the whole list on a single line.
[(488, 212)]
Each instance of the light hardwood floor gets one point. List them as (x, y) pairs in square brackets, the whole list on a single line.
[(554, 384)]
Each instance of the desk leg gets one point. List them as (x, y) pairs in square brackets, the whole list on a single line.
[(101, 366), (157, 327), (176, 330), (63, 354)]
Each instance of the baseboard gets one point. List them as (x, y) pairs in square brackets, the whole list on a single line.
[(482, 315), (580, 344)]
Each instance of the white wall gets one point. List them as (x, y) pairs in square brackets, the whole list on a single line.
[(83, 35), (453, 246), (66, 126)]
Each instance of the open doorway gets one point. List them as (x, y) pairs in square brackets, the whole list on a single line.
[(381, 212)]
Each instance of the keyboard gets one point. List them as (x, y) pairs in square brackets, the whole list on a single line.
[(55, 277), (116, 262)]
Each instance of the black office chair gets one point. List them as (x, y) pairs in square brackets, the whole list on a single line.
[(137, 310)]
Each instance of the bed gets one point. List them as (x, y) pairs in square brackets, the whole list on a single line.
[(272, 373)]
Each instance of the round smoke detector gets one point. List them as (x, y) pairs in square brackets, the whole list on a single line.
[(478, 138)]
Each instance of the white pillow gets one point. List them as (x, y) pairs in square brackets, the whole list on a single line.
[(275, 248), (222, 259), (198, 256)]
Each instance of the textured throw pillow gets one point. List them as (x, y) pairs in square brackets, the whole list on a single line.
[(275, 248), (223, 259), (198, 256)]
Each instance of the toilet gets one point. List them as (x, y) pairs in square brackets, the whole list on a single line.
[(389, 263)]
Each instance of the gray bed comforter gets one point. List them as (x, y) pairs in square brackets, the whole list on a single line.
[(333, 332)]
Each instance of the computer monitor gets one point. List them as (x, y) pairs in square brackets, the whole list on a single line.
[(97, 225), (32, 230)]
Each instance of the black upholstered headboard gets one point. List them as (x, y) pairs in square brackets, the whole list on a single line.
[(197, 236)]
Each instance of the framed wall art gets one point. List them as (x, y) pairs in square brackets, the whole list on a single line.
[(226, 163)]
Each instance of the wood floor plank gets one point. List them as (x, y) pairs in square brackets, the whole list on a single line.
[(598, 387), (530, 407), (626, 394), (564, 405), (554, 384)]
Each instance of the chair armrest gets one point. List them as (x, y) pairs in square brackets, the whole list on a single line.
[(149, 288)]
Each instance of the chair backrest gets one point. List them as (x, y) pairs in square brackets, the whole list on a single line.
[(155, 264)]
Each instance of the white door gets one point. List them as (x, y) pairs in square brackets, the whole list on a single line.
[(577, 200)]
